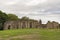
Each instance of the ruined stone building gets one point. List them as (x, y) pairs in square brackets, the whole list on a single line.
[(29, 23), (52, 25), (21, 24)]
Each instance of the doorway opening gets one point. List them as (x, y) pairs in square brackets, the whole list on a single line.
[(24, 25), (9, 27), (30, 24)]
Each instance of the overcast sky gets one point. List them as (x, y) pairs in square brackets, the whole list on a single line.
[(35, 9)]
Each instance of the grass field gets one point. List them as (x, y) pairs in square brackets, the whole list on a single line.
[(30, 34)]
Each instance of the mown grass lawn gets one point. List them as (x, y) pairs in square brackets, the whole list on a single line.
[(30, 34)]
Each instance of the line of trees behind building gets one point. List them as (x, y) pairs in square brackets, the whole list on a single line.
[(12, 17), (5, 17), (9, 17)]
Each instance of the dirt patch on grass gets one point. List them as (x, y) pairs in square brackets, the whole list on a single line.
[(25, 37)]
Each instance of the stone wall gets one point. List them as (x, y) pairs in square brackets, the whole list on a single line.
[(20, 24), (52, 24)]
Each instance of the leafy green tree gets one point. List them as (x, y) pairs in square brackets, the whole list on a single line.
[(12, 17), (25, 18), (3, 18)]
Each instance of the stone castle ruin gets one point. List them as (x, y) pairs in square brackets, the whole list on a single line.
[(29, 23)]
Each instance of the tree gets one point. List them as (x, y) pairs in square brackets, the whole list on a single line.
[(25, 18), (40, 21), (3, 18), (12, 17)]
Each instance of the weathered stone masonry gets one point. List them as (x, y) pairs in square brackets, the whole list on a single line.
[(20, 24)]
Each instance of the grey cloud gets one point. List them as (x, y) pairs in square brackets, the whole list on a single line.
[(49, 10)]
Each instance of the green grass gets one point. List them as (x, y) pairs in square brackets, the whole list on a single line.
[(30, 34)]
